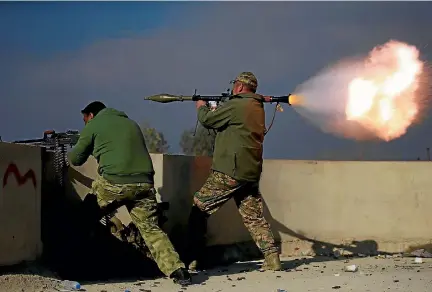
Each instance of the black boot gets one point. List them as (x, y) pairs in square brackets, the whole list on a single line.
[(197, 229), (182, 277)]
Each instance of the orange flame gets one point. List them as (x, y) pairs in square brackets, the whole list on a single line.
[(383, 100)]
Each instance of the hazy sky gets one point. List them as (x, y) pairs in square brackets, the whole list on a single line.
[(57, 57)]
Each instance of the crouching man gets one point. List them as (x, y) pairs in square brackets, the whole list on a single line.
[(126, 179)]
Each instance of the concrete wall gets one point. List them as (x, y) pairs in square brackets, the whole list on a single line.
[(382, 203), (313, 206), (20, 198)]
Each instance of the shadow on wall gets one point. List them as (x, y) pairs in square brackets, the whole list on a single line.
[(76, 245), (320, 250)]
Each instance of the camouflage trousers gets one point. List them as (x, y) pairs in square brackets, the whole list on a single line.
[(219, 188), (140, 201)]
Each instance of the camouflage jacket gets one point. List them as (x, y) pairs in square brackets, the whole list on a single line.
[(240, 127)]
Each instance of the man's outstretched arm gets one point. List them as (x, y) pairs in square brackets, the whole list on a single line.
[(83, 148), (214, 119)]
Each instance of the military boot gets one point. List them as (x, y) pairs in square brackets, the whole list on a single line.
[(272, 262), (182, 277), (196, 238)]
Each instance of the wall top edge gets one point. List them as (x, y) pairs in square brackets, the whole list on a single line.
[(312, 161)]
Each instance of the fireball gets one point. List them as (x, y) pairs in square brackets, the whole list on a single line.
[(383, 99)]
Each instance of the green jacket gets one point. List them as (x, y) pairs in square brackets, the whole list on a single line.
[(240, 126), (118, 145)]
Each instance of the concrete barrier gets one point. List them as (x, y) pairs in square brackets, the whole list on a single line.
[(20, 203), (314, 207)]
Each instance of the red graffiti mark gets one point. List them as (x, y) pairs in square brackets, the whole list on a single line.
[(13, 169)]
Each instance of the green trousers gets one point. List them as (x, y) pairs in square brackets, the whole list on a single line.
[(140, 201)]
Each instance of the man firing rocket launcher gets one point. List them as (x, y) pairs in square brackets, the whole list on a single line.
[(213, 101), (237, 164)]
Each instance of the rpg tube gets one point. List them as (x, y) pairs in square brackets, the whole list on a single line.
[(165, 98)]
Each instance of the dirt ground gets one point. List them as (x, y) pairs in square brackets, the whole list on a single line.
[(300, 274)]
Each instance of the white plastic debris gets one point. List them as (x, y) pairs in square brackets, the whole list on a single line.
[(351, 268), (418, 260)]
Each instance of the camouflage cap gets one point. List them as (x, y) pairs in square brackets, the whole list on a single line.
[(247, 78)]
